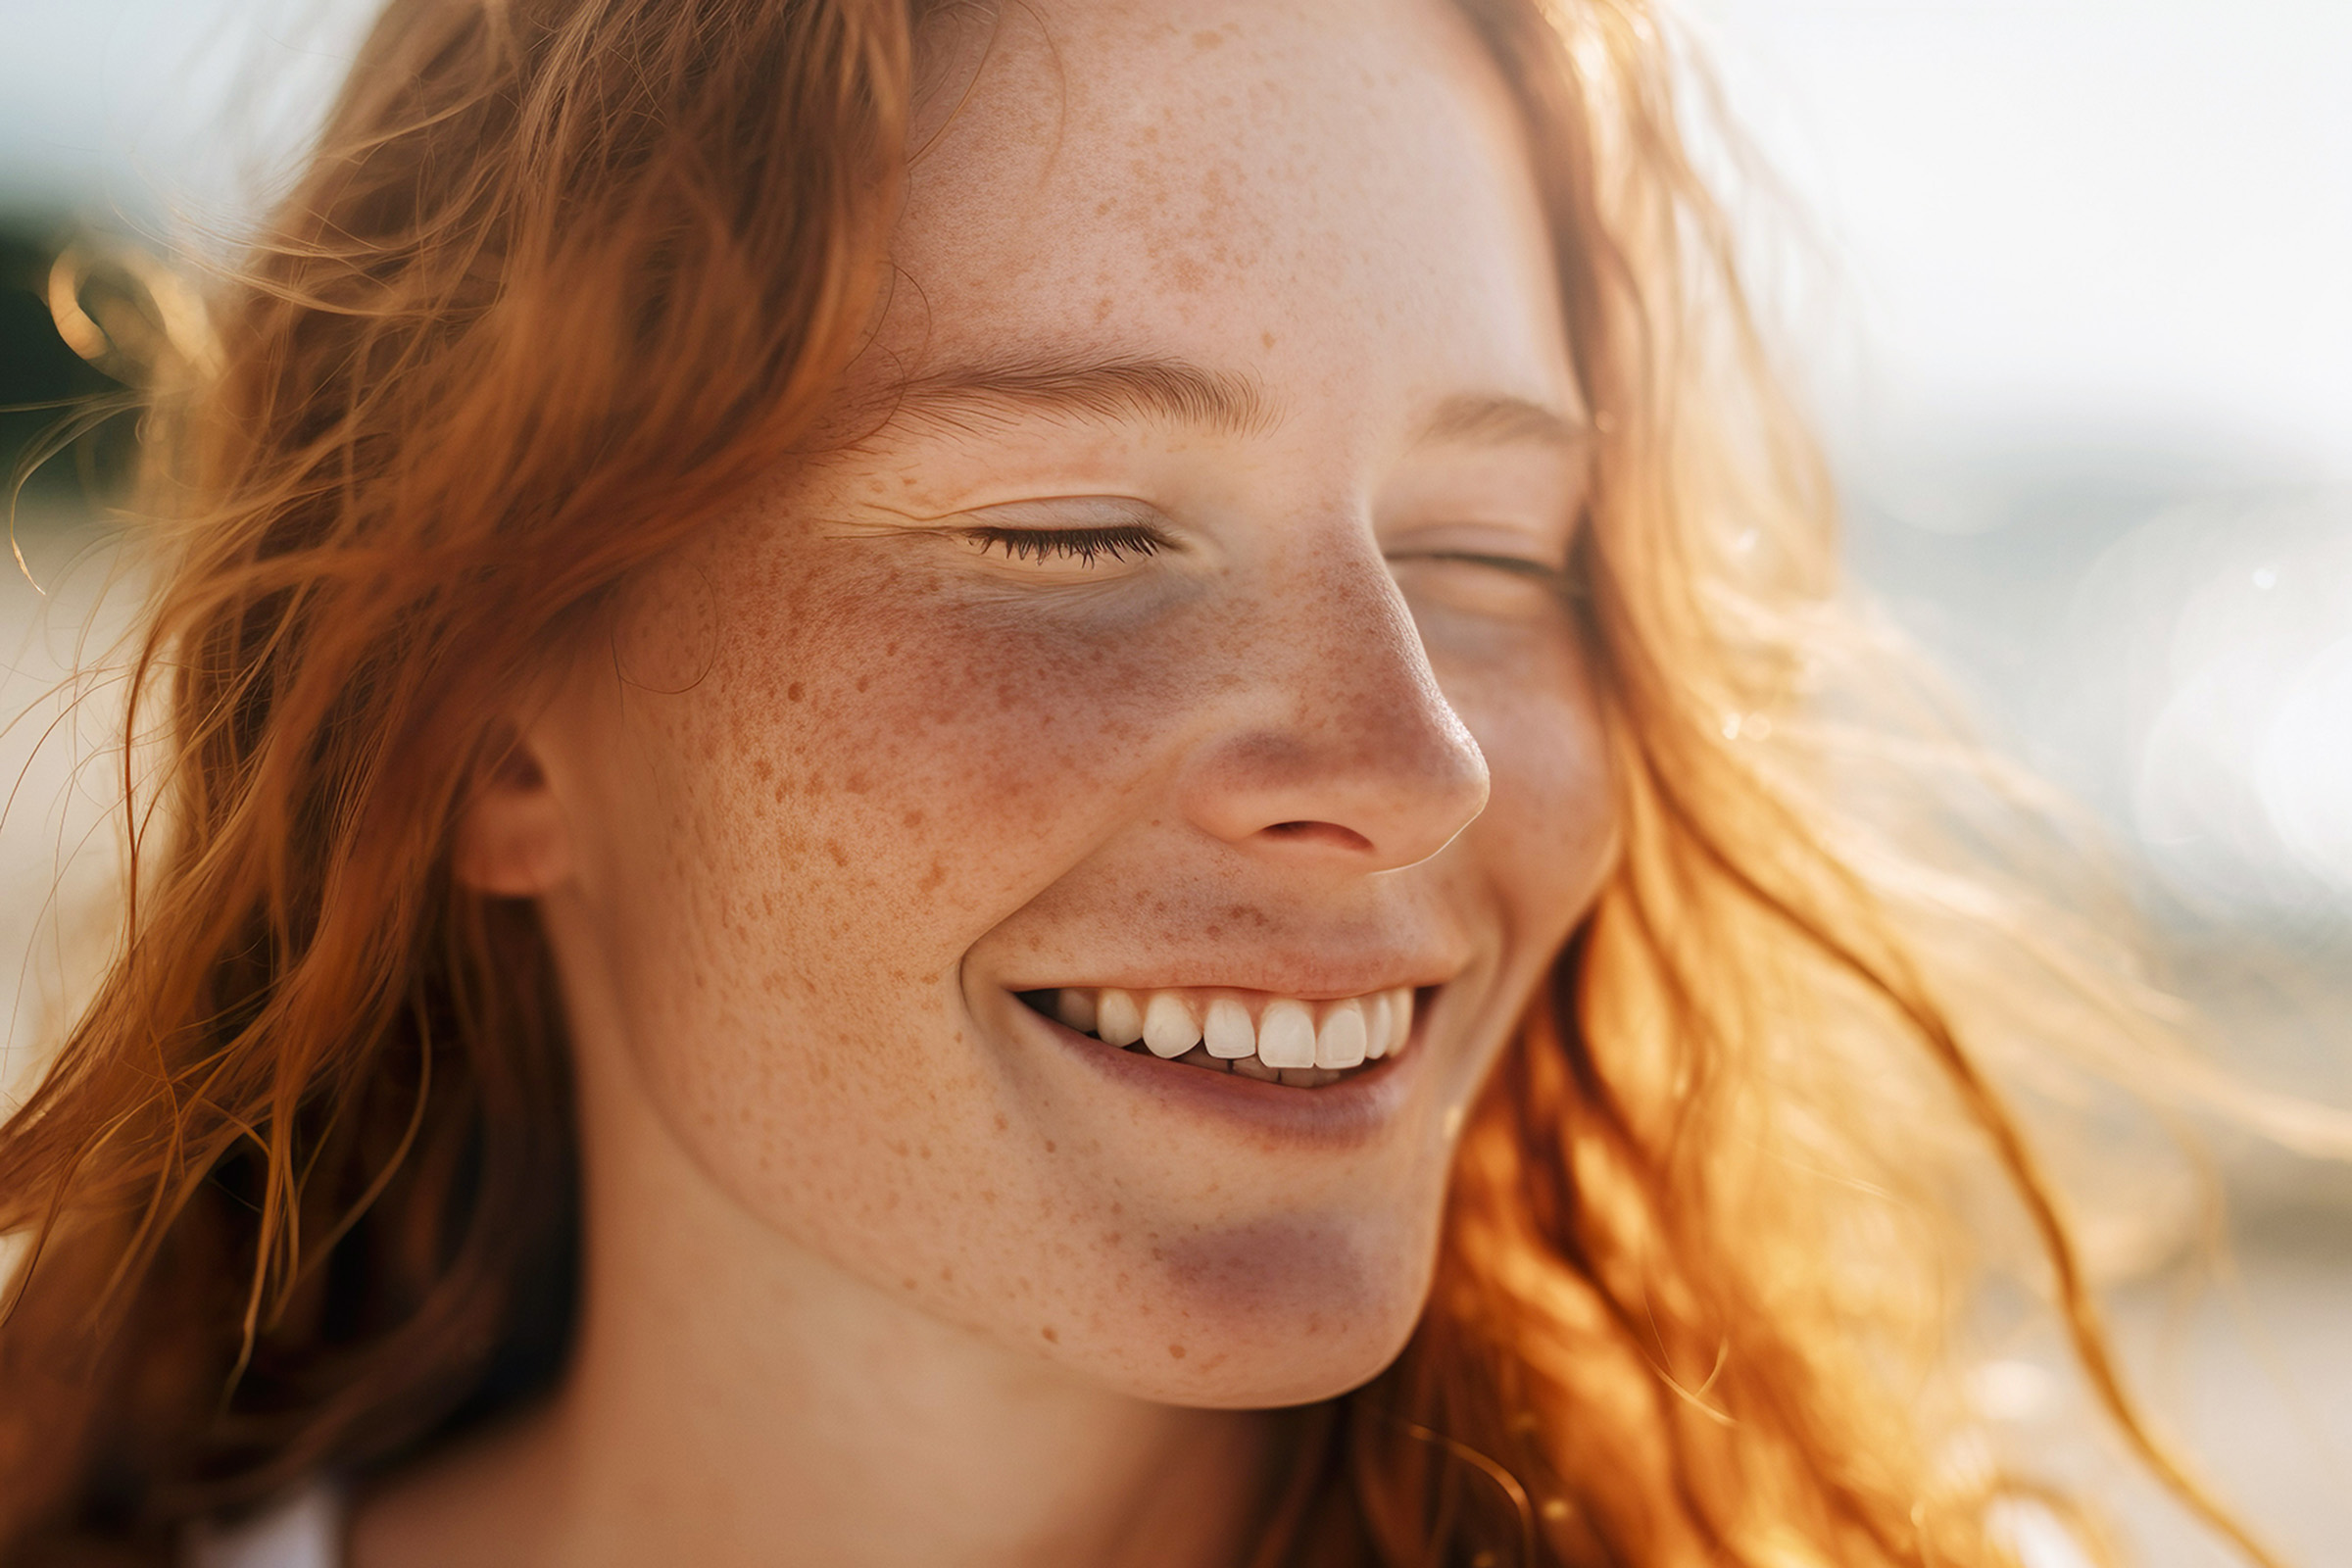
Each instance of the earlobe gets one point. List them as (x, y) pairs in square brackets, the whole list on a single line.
[(512, 839)]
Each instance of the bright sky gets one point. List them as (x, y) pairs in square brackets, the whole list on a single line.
[(2120, 212)]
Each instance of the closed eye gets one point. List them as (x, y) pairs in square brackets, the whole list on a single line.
[(1084, 546), (1517, 565)]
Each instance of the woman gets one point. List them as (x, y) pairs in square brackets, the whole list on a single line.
[(989, 787)]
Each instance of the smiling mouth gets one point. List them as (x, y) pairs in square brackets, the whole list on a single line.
[(1304, 1045)]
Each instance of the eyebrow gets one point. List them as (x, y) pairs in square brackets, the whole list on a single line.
[(1492, 421), (977, 399)]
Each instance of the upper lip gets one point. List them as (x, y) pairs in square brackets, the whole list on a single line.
[(1321, 982)]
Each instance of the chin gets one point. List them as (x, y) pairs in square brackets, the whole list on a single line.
[(1286, 1313)]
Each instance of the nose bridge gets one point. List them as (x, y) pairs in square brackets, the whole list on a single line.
[(1343, 745)]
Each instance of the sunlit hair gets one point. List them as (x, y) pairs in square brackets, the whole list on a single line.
[(564, 281)]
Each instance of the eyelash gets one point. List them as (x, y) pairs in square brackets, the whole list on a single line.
[(1086, 545), (1083, 545)]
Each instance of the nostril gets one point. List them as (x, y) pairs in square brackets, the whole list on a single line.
[(1326, 833)]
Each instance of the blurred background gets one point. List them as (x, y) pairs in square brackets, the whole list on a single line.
[(2073, 308)]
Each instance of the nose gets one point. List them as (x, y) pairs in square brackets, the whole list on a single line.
[(1338, 747)]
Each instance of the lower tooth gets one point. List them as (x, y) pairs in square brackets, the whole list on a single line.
[(1252, 1068), (1198, 1057)]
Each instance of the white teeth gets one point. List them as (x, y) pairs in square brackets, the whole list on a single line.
[(1075, 1008), (1169, 1028), (1339, 1043), (1284, 1044), (1117, 1020), (1285, 1035), (1227, 1031)]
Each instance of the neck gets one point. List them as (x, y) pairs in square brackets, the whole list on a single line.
[(734, 1399)]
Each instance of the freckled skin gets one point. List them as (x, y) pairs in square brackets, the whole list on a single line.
[(844, 783), (1048, 780)]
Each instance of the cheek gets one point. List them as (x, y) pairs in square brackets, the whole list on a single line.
[(915, 765), (1549, 831)]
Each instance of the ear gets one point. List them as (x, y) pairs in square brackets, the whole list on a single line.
[(513, 840)]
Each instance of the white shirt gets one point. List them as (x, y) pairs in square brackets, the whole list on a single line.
[(306, 1531)]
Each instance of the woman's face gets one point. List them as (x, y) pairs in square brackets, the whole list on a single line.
[(1188, 626)]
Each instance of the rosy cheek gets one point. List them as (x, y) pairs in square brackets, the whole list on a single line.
[(900, 755)]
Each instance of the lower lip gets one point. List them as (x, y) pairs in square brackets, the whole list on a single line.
[(1356, 1110)]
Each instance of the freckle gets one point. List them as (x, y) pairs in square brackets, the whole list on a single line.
[(1116, 1209), (1267, 338), (864, 681), (987, 1195), (906, 1285), (1050, 1149), (792, 693), (1052, 1336), (859, 784), (762, 769), (913, 819), (1206, 40), (1176, 1352), (1001, 1122), (937, 875), (841, 857), (1150, 133)]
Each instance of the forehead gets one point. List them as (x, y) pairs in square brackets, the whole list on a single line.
[(1314, 190)]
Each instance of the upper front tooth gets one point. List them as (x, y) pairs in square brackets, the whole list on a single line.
[(1377, 1012), (1117, 1019), (1227, 1031), (1076, 1009), (1168, 1026), (1285, 1035), (1339, 1043)]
